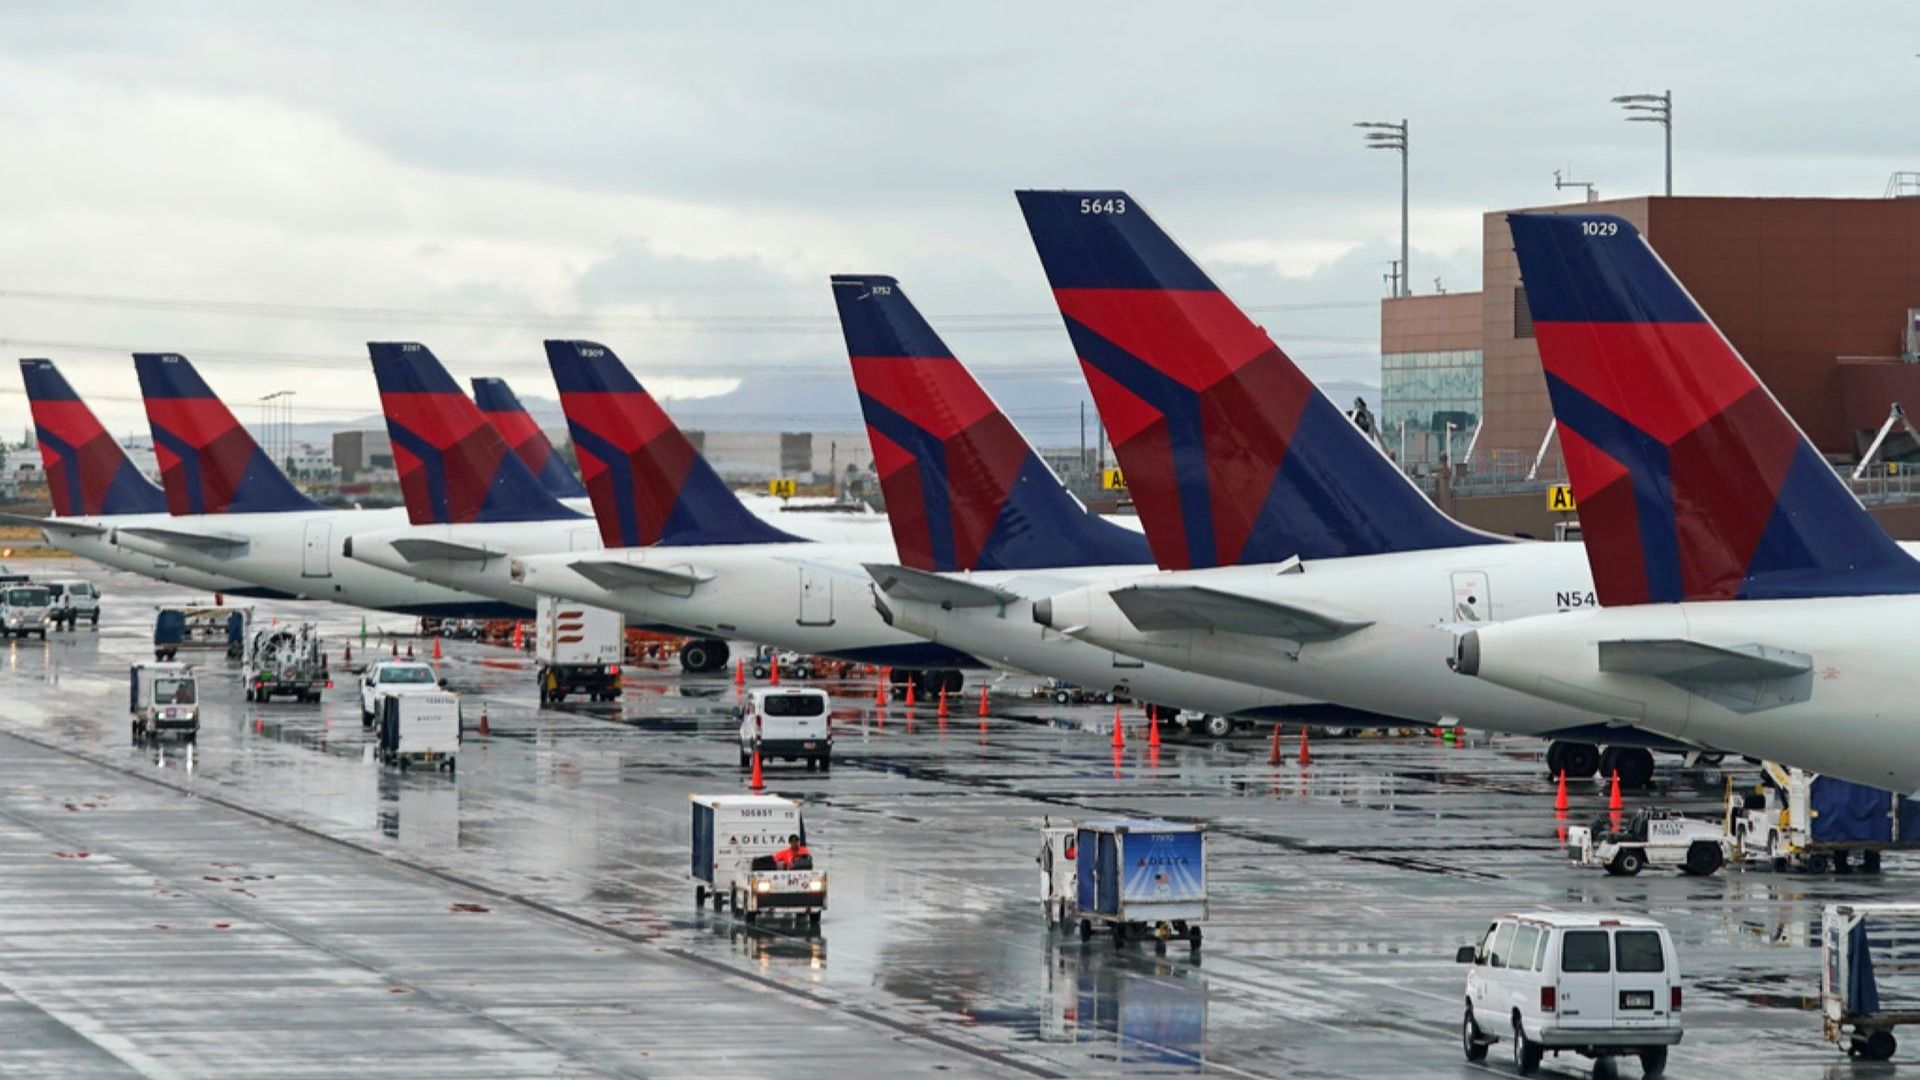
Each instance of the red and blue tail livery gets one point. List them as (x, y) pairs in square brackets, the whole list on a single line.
[(1231, 453), (503, 410), (209, 464), (87, 472), (455, 467), (1692, 482), (648, 483), (965, 491)]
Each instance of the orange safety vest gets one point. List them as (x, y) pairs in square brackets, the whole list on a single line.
[(785, 856)]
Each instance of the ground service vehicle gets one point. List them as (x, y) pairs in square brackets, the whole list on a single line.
[(420, 728), (789, 724), (193, 628), (285, 660), (1862, 1000), (1141, 878), (735, 839), (578, 650), (1059, 877), (1658, 838), (1802, 821), (164, 698), (1587, 983), (391, 678), (26, 609), (75, 599)]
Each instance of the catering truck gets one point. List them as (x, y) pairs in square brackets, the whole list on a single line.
[(164, 698), (578, 650)]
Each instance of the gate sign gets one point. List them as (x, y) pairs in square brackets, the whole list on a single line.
[(1560, 498), (782, 488), (1111, 480)]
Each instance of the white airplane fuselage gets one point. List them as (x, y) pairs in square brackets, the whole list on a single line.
[(1851, 715)]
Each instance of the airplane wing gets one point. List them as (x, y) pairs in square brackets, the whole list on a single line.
[(72, 528), (423, 550), (183, 538), (1194, 607), (926, 588), (623, 575), (1743, 678)]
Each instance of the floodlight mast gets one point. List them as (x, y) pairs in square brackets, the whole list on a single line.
[(1652, 109), (1383, 135)]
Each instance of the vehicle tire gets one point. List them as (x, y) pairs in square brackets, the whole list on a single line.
[(1471, 1043), (1062, 697), (193, 738), (1653, 1061), (1526, 1052), (695, 656), (94, 620), (1869, 862), (1817, 863), (1160, 946), (1580, 760), (247, 694), (1635, 765), (1217, 727), (758, 671), (1119, 936), (1086, 929), (1193, 937), (813, 919), (700, 896), (812, 763), (1703, 858), (1879, 1046), (1631, 861), (955, 680), (746, 758), (826, 763), (803, 672), (750, 916)]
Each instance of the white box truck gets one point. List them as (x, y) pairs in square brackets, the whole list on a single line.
[(578, 650)]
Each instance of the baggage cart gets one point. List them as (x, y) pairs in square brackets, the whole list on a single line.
[(735, 838), (1141, 879), (1869, 975)]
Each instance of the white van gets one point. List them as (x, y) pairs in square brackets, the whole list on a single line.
[(789, 724), (75, 599), (1594, 984), (26, 609)]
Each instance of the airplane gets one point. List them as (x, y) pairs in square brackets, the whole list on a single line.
[(957, 475), (502, 408), (1746, 598), (473, 505), (1297, 556), (94, 487), (681, 550), (236, 514)]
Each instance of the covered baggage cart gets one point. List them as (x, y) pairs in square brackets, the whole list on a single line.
[(1141, 878), (1869, 975), (738, 846)]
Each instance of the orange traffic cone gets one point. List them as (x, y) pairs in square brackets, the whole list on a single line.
[(485, 728), (983, 703), (739, 672), (409, 650), (757, 782), (349, 657), (1304, 756), (396, 649), (436, 648), (1153, 728), (1560, 797), (942, 714), (910, 685), (1614, 802), (774, 671), (1119, 733), (1273, 755), (880, 693), (516, 635)]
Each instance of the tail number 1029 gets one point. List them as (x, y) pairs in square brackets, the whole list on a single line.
[(1103, 206), (1599, 228)]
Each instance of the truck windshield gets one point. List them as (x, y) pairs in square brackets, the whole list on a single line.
[(406, 675), (28, 598), (795, 705), (173, 690), (1638, 951)]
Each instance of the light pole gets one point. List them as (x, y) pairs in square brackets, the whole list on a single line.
[(278, 423), (1382, 135), (1652, 109)]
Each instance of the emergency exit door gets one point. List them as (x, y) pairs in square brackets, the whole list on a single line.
[(1472, 596), (816, 598), (316, 555)]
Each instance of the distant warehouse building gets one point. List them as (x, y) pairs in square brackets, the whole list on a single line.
[(1821, 296), (756, 456), (362, 455)]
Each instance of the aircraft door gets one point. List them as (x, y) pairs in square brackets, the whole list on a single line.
[(1472, 596), (816, 597), (316, 556)]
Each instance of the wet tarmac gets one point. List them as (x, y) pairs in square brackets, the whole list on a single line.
[(273, 902)]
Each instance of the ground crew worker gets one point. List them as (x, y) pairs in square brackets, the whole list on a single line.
[(794, 856)]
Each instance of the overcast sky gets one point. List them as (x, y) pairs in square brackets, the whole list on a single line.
[(266, 187)]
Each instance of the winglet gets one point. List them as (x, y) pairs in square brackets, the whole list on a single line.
[(87, 472), (965, 491), (1692, 482), (503, 410), (454, 466), (1231, 453), (649, 485), (209, 464)]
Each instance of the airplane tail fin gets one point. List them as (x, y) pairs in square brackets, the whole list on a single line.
[(87, 472), (504, 411), (965, 491), (649, 485), (1229, 450), (1692, 482), (454, 466), (209, 464)]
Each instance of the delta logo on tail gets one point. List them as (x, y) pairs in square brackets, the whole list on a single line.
[(209, 464), (1231, 453), (87, 472), (503, 410), (648, 483), (455, 467), (964, 489), (1693, 483)]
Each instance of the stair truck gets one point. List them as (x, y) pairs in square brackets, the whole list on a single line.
[(1869, 975), (1803, 821), (164, 698), (578, 650), (285, 660), (1141, 878), (735, 839)]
